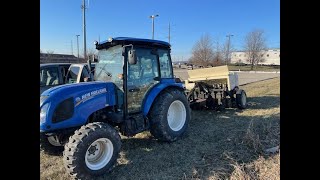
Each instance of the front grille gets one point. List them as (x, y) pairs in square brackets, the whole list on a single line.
[(63, 111)]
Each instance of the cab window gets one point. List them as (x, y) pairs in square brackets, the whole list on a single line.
[(165, 63), (73, 74)]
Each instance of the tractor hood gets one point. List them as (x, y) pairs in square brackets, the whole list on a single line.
[(70, 105)]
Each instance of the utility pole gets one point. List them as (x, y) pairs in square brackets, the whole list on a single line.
[(78, 44), (228, 48), (152, 17), (83, 7), (169, 33), (71, 48)]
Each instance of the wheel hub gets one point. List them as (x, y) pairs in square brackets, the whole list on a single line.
[(99, 153), (176, 115), (92, 149), (244, 99)]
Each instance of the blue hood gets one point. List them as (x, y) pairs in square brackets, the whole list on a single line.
[(87, 97)]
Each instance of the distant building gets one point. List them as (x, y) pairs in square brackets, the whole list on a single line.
[(58, 58), (271, 57)]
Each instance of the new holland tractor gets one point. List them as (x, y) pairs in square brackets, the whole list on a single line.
[(134, 91)]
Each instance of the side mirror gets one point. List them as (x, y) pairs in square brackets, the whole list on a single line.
[(132, 58)]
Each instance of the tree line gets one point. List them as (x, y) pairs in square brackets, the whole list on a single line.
[(207, 52)]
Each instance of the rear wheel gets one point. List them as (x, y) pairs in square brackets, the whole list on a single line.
[(92, 150), (170, 115), (241, 99)]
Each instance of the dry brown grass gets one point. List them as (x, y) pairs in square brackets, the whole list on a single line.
[(217, 145), (264, 169)]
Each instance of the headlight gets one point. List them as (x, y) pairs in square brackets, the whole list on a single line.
[(43, 113)]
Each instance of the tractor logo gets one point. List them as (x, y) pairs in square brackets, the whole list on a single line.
[(89, 95)]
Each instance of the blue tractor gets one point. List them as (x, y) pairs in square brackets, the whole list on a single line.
[(134, 91)]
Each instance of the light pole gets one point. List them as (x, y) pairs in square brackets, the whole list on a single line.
[(228, 47), (71, 48), (78, 44), (152, 17), (83, 7), (169, 34)]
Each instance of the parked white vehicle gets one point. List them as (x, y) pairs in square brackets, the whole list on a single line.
[(55, 74)]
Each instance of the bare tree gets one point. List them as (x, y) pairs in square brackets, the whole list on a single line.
[(226, 50), (218, 54), (202, 51), (255, 46)]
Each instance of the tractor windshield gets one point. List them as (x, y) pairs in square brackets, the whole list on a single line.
[(110, 66)]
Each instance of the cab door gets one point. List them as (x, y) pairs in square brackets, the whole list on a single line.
[(73, 75), (141, 78)]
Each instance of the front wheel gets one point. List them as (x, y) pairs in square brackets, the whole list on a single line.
[(241, 99), (169, 115), (50, 144), (92, 150)]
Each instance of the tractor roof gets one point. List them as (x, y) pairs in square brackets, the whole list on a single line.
[(134, 41)]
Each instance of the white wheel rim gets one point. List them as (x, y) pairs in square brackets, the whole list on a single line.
[(176, 115), (99, 154), (53, 141), (244, 99)]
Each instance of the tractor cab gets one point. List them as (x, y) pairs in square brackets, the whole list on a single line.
[(135, 66)]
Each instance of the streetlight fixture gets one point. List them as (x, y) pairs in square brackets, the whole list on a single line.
[(228, 47), (152, 17), (78, 44)]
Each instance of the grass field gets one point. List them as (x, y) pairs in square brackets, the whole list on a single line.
[(217, 145)]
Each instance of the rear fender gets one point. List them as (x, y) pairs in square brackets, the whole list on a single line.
[(156, 90)]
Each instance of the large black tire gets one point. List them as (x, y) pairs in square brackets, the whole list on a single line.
[(49, 148), (241, 99), (160, 127), (84, 142)]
